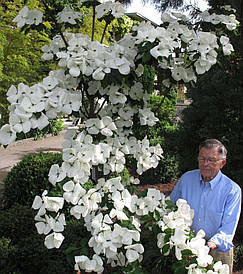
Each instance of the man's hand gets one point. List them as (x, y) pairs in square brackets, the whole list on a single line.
[(211, 245)]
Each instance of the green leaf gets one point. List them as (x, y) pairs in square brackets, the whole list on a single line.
[(146, 58), (165, 248), (170, 205), (84, 251), (186, 252), (156, 215), (70, 250)]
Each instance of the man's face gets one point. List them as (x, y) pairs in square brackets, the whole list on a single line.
[(209, 163)]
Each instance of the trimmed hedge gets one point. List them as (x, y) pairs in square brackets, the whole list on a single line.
[(29, 178)]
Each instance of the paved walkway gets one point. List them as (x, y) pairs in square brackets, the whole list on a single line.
[(16, 151)]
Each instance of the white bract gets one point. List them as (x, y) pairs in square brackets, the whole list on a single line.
[(101, 88), (68, 15), (29, 17)]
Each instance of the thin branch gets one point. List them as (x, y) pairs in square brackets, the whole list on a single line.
[(85, 108), (102, 105), (93, 24), (103, 34), (85, 113), (56, 24)]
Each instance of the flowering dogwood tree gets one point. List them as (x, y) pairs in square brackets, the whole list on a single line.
[(100, 87)]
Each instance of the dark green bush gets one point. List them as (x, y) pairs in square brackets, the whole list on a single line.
[(29, 178), (25, 248), (238, 257)]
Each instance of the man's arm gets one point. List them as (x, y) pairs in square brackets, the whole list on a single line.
[(225, 234), (176, 192)]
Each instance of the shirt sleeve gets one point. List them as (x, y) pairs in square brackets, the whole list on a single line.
[(225, 234), (176, 192)]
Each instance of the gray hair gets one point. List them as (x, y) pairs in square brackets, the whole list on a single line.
[(210, 143)]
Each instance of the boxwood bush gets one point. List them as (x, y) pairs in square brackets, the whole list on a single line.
[(29, 178)]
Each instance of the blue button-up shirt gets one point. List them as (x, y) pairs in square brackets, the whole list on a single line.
[(216, 205)]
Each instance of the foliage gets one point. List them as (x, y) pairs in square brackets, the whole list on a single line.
[(29, 178), (153, 262), (120, 27), (238, 255)]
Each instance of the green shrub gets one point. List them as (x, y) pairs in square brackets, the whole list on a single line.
[(153, 261), (29, 178)]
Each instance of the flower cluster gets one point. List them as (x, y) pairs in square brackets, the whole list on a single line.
[(228, 20), (28, 17), (119, 244), (59, 93), (176, 234), (32, 107), (81, 153)]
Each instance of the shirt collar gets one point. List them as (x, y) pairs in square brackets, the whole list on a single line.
[(215, 180)]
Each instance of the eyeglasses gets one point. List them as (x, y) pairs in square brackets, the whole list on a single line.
[(209, 160)]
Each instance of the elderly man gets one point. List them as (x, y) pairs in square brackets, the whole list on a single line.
[(215, 199)]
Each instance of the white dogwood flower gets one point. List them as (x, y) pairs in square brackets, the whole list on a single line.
[(34, 17), (134, 252), (73, 192), (227, 47), (93, 265), (26, 16), (68, 15), (54, 240), (147, 117), (53, 203), (7, 135), (56, 174)]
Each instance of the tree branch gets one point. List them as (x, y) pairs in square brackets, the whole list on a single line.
[(103, 34), (93, 24)]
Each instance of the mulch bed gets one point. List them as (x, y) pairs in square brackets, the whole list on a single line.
[(164, 188)]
